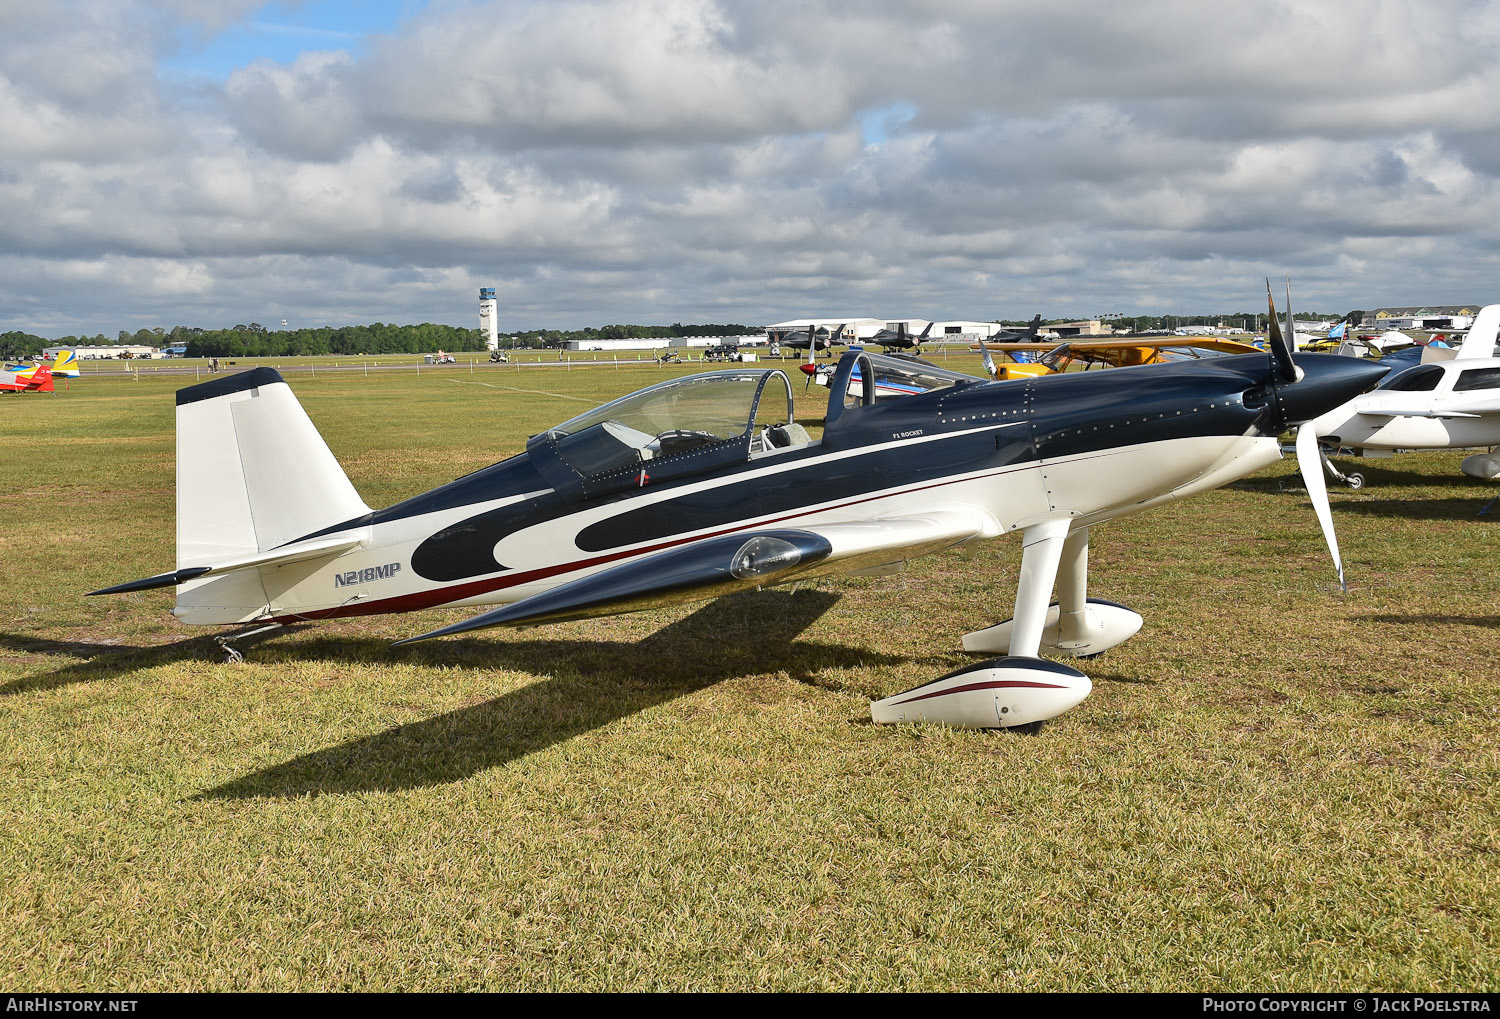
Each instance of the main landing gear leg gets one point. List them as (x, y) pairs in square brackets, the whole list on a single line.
[(1354, 479), (1020, 688), (1075, 624)]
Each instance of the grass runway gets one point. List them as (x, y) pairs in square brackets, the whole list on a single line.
[(1273, 786)]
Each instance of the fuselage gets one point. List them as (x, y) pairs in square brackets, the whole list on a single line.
[(25, 378), (1085, 447)]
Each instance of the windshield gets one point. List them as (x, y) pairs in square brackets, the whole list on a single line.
[(672, 417), (1414, 380)]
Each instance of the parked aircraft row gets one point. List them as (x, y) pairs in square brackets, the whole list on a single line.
[(1440, 404), (816, 338), (38, 378)]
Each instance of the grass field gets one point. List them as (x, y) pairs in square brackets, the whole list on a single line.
[(1274, 786)]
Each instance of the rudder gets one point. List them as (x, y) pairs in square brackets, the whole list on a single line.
[(252, 471)]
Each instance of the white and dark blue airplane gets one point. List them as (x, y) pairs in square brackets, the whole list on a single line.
[(705, 485)]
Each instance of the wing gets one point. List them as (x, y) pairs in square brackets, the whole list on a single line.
[(1156, 350), (1215, 344), (1477, 404), (1007, 347), (710, 567)]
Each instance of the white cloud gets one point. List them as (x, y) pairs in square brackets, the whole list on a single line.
[(676, 159), (305, 111)]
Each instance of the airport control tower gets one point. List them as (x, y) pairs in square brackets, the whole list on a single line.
[(489, 317)]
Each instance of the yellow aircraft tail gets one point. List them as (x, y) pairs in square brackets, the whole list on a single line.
[(66, 365)]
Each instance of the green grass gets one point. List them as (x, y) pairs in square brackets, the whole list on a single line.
[(1273, 786)]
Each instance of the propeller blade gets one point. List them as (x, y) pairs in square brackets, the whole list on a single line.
[(989, 363), (1310, 463), (1291, 323), (1281, 351)]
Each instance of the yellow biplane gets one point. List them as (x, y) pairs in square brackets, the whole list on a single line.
[(1080, 355)]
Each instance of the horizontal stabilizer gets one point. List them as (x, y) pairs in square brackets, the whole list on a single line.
[(704, 569), (323, 548)]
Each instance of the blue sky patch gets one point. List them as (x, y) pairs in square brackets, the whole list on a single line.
[(280, 31)]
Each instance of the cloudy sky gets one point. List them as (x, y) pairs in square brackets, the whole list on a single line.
[(208, 162)]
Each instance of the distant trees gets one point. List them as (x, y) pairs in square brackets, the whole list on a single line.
[(255, 340), (15, 345)]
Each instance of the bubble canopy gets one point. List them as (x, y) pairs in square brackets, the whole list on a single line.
[(680, 426)]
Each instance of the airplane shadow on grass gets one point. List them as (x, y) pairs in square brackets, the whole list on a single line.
[(1422, 509), (1475, 508), (102, 661), (1430, 619), (1376, 478), (591, 684)]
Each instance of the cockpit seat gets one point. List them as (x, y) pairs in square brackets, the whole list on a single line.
[(784, 436)]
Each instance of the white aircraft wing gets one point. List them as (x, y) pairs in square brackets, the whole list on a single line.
[(1415, 412), (757, 557), (1478, 403)]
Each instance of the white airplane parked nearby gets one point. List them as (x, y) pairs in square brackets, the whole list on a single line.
[(1452, 404)]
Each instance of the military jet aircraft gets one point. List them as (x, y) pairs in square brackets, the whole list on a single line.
[(704, 485), (1011, 336), (811, 339), (900, 339)]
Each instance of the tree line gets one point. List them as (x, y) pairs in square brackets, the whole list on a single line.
[(255, 340)]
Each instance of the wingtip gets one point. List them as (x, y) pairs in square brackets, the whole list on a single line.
[(414, 640)]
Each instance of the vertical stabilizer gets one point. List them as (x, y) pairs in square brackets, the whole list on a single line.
[(1480, 340), (66, 365), (252, 471)]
